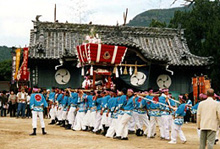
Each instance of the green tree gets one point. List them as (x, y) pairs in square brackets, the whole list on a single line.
[(5, 70), (202, 31), (155, 23)]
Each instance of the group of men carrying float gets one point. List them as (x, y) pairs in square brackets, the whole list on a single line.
[(114, 113)]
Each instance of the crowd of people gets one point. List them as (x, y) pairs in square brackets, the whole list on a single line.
[(18, 105)]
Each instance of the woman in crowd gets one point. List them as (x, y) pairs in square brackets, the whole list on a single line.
[(12, 100)]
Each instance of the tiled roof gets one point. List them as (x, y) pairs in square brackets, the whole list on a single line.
[(55, 40)]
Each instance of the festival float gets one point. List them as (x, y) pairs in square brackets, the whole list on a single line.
[(99, 59)]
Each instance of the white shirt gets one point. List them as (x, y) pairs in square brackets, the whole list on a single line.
[(22, 96), (28, 99)]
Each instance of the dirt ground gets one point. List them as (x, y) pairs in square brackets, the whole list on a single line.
[(14, 133)]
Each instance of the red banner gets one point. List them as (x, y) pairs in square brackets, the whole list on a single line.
[(195, 88), (23, 72), (201, 85)]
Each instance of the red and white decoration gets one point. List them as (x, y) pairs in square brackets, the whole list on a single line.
[(38, 97), (100, 53)]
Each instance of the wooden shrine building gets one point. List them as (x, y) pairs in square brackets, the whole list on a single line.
[(169, 64)]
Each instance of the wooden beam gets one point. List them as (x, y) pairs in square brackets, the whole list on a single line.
[(132, 65)]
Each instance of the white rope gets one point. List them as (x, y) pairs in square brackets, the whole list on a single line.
[(156, 103), (175, 100)]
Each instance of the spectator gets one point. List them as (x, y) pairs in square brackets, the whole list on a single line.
[(4, 103), (22, 98), (208, 119), (12, 100)]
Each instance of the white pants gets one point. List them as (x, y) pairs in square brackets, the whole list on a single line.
[(64, 115), (112, 129), (118, 121), (71, 115), (98, 119), (132, 122), (87, 118), (143, 120), (56, 111), (59, 113), (52, 113), (123, 126), (79, 121), (175, 130), (170, 122), (93, 119), (109, 120), (217, 132), (152, 126), (165, 125), (34, 119), (104, 120)]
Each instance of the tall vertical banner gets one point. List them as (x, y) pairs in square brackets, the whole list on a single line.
[(195, 89), (18, 54), (23, 73), (13, 67), (202, 85)]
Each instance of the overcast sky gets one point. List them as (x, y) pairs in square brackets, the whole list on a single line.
[(16, 15)]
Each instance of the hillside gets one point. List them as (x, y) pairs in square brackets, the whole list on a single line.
[(5, 53), (162, 15)]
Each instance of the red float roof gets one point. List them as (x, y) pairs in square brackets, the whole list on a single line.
[(100, 53)]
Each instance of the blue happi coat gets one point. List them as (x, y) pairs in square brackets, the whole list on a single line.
[(52, 97), (94, 104), (82, 103), (38, 102), (72, 102), (180, 113), (65, 103), (129, 107), (154, 107), (112, 105), (141, 105), (98, 103), (89, 101), (104, 103), (122, 101), (59, 100)]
